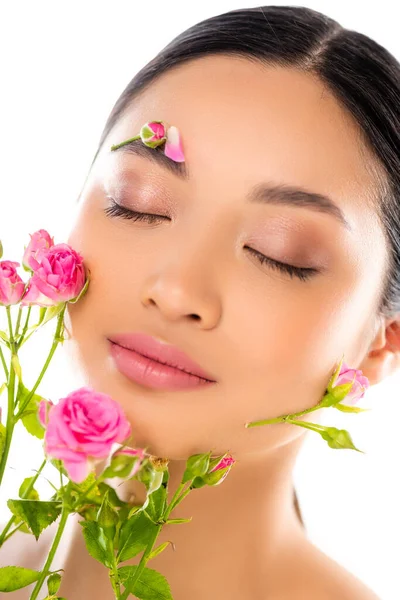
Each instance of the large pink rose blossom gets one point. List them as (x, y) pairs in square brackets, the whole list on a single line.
[(82, 428), (11, 285), (40, 243), (59, 278), (359, 386)]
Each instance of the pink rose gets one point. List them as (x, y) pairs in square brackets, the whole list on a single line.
[(153, 134), (40, 243), (82, 427), (359, 386), (59, 278), (43, 411), (126, 462), (11, 285), (223, 463)]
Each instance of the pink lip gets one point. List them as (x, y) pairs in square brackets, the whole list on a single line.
[(145, 360)]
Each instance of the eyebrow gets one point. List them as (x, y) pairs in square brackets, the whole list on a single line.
[(265, 193), (156, 155)]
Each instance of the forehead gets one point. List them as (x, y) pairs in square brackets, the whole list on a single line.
[(243, 122)]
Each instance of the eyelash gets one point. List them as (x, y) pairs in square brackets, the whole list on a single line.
[(302, 273)]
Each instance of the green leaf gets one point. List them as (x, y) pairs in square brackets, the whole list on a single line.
[(53, 583), (151, 585), (4, 337), (96, 542), (159, 549), (350, 409), (157, 502), (112, 495), (36, 514), (30, 417), (196, 466), (33, 495), (107, 518), (15, 578), (134, 536), (16, 365), (338, 438), (3, 387)]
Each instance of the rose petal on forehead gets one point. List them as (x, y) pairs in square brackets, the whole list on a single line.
[(173, 145)]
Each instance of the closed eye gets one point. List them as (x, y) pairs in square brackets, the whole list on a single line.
[(302, 273), (116, 210)]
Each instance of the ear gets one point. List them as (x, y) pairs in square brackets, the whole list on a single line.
[(383, 357)]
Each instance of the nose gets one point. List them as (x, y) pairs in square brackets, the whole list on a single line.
[(179, 292)]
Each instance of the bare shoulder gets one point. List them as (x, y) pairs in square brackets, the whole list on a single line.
[(320, 577)]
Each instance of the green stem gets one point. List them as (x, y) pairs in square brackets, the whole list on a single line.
[(114, 575), (142, 562), (3, 535), (312, 426), (21, 337), (18, 321), (46, 568), (283, 418), (116, 146), (53, 348), (13, 531), (10, 423), (4, 363)]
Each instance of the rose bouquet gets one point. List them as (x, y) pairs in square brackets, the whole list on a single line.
[(88, 440)]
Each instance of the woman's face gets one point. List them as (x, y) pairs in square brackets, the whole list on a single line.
[(194, 279)]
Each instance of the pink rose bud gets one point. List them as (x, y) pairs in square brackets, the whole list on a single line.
[(43, 411), (125, 463), (225, 462), (40, 243), (60, 277), (12, 287), (153, 134), (219, 471), (359, 386), (173, 146), (82, 428)]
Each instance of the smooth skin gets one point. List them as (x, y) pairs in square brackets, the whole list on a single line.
[(271, 341)]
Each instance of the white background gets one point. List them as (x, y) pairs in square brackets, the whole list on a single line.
[(63, 67)]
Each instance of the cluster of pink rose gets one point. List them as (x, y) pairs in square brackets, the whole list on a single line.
[(57, 274)]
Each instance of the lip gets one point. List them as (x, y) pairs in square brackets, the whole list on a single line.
[(155, 364)]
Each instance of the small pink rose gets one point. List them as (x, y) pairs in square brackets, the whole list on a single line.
[(225, 462), (82, 428), (153, 134), (43, 411), (173, 145), (359, 386), (128, 458), (12, 287), (40, 243), (60, 277)]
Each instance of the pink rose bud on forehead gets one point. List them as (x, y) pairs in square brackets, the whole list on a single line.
[(359, 386), (60, 277), (153, 134), (82, 428), (12, 287), (40, 243)]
